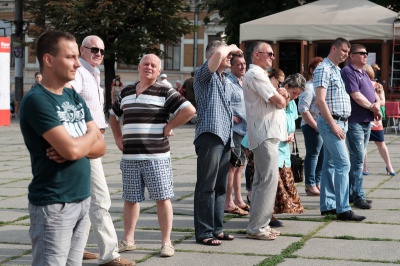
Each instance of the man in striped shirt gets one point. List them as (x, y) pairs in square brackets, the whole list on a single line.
[(146, 107)]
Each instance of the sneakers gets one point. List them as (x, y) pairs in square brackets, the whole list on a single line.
[(167, 250), (119, 262), (125, 246), (362, 204), (349, 216)]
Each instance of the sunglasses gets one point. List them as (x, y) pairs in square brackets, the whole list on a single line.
[(268, 53), (95, 50), (361, 53)]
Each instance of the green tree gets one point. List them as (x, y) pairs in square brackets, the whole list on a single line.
[(235, 12), (129, 28)]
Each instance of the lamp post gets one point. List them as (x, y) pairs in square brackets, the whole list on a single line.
[(17, 49)]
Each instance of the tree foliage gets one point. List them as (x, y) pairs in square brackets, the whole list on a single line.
[(235, 12), (129, 28)]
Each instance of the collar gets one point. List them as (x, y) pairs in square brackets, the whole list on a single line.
[(95, 71)]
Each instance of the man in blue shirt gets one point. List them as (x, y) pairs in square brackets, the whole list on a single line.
[(334, 106), (213, 142), (364, 107)]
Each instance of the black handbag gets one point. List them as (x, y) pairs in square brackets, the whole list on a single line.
[(297, 164), (235, 161)]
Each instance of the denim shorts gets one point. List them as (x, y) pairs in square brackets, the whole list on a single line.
[(155, 175)]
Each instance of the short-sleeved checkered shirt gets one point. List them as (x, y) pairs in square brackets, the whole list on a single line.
[(213, 96), (87, 84), (327, 75)]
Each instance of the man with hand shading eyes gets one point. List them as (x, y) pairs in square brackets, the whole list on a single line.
[(87, 84)]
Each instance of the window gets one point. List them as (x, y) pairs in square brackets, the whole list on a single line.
[(172, 59)]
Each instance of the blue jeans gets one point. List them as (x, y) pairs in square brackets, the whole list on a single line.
[(357, 141), (58, 233), (335, 169), (314, 156), (212, 176)]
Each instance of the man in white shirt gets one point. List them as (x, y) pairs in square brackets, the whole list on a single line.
[(87, 84), (266, 128)]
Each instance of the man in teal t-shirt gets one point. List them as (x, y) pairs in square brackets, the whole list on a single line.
[(60, 135)]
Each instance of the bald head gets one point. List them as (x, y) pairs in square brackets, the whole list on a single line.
[(92, 50), (149, 68)]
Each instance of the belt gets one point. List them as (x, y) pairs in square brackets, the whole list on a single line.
[(343, 119), (102, 130)]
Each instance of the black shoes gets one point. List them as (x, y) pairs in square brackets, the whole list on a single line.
[(368, 200), (362, 204), (328, 212), (349, 216)]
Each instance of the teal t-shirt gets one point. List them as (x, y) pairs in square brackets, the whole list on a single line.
[(284, 147), (41, 111)]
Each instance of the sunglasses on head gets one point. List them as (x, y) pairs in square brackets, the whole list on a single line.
[(361, 53), (95, 50)]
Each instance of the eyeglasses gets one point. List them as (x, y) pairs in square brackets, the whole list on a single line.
[(95, 50), (268, 53), (361, 53)]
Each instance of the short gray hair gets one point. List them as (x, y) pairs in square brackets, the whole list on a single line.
[(212, 47), (295, 81)]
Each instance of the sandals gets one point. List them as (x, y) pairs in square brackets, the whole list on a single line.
[(246, 207), (209, 241), (225, 237), (237, 211), (262, 236)]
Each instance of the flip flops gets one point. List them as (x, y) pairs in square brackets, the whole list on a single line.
[(262, 236), (209, 242), (225, 237), (237, 211)]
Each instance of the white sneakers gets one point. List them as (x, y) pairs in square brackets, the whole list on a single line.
[(125, 246), (167, 250)]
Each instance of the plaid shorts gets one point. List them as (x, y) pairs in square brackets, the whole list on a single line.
[(155, 175)]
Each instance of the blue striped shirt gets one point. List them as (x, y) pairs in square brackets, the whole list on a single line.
[(214, 114), (327, 75), (237, 105)]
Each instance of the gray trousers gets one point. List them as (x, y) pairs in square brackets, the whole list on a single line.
[(265, 184), (58, 233)]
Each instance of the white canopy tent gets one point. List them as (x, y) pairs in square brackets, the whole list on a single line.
[(324, 20)]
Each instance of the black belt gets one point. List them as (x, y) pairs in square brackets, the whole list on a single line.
[(343, 119)]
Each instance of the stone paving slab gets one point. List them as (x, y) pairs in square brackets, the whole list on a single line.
[(15, 234), (20, 202), (242, 245), (7, 250), (385, 193), (360, 230), (11, 215), (351, 249), (195, 258), (13, 192), (316, 262)]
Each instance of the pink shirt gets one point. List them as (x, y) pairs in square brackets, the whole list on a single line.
[(87, 84)]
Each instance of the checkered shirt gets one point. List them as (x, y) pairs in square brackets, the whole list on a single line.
[(327, 75), (214, 114)]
